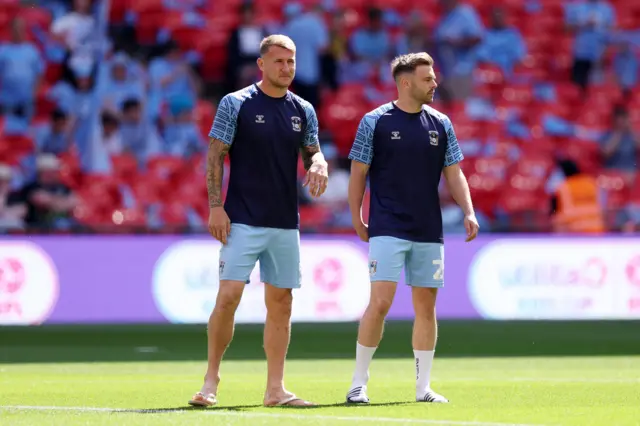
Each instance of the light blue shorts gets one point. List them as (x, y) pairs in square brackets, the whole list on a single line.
[(278, 251), (423, 263)]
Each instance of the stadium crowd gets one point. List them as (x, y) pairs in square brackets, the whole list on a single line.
[(106, 106)]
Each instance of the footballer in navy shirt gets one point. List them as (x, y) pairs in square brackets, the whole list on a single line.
[(404, 147), (263, 128)]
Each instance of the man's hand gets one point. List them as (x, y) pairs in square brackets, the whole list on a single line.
[(472, 227), (219, 224), (362, 230), (317, 178)]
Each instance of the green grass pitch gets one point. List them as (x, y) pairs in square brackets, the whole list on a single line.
[(494, 373)]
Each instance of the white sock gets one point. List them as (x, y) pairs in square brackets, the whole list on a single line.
[(424, 361), (364, 355)]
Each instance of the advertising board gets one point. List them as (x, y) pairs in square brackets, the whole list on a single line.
[(167, 279)]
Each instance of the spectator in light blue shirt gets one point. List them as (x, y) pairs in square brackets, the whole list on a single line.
[(502, 45), (171, 75), (55, 138), (457, 37), (371, 43), (182, 136), (414, 38), (620, 145), (591, 21), (122, 83), (138, 135), (626, 66), (21, 69), (371, 48), (309, 32)]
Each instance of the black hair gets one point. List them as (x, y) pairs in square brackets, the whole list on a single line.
[(375, 14), (569, 167), (108, 118), (130, 104), (58, 114)]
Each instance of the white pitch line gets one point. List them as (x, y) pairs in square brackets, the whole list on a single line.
[(221, 412), (570, 380)]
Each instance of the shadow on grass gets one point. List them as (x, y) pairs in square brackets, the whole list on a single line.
[(244, 408)]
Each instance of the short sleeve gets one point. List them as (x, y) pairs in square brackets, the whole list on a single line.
[(454, 153), (362, 149), (311, 130), (225, 122)]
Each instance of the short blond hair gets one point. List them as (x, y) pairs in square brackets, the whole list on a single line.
[(409, 62), (276, 40)]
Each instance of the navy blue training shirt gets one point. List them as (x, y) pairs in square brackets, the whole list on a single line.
[(265, 135), (406, 153)]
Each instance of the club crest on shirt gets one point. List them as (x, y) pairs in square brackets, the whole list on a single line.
[(296, 123), (373, 267), (433, 137), (221, 267)]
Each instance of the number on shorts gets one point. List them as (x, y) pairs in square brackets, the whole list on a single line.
[(438, 275)]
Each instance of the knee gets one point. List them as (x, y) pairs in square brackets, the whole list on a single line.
[(380, 306), (228, 299), (279, 303)]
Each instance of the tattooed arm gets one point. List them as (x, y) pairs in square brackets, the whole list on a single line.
[(215, 170), (219, 223), (310, 155), (222, 134)]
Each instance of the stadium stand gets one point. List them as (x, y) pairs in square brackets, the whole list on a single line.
[(117, 97)]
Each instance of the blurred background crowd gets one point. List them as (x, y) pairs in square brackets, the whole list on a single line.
[(106, 105)]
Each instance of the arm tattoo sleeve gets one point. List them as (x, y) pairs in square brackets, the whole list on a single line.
[(307, 154), (215, 170)]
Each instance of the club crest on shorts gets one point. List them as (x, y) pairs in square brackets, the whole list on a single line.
[(373, 267), (433, 137), (296, 123), (221, 267)]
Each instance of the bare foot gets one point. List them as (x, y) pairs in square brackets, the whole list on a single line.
[(284, 398), (207, 395)]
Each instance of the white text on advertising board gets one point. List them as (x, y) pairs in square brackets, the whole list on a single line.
[(557, 279)]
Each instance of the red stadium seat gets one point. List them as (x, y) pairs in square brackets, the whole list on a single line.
[(36, 16), (95, 216), (128, 220), (615, 184), (146, 6), (503, 147), (518, 94), (314, 216), (174, 214), (100, 190), (166, 167), (342, 120), (526, 183), (492, 166), (14, 147), (519, 201), (146, 190), (485, 190), (540, 166), (125, 167)]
